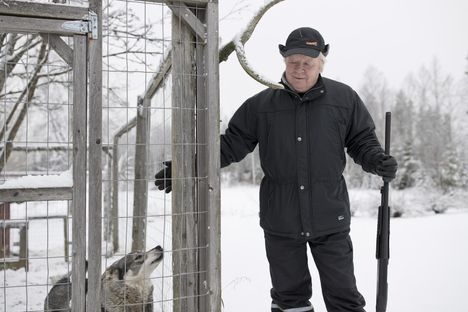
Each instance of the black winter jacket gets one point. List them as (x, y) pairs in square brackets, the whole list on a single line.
[(302, 141)]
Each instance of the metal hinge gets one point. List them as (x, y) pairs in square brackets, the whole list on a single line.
[(89, 25)]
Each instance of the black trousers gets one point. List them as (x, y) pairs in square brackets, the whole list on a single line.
[(290, 276)]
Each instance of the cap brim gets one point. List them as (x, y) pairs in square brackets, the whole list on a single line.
[(304, 51)]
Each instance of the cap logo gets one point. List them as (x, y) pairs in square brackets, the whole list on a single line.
[(311, 43)]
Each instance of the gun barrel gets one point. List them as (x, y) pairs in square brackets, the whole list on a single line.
[(383, 232)]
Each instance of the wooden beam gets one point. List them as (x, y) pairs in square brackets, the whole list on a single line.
[(184, 226), (140, 185), (42, 10), (202, 172), (159, 77), (79, 173), (189, 2), (16, 24), (213, 142), (59, 46), (35, 194), (95, 164), (186, 15)]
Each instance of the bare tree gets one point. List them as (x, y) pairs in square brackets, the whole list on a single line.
[(18, 112)]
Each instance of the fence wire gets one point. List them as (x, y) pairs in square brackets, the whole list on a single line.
[(36, 103)]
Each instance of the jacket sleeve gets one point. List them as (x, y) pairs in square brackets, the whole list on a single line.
[(240, 137), (361, 141)]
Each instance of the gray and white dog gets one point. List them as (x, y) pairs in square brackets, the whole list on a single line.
[(125, 285)]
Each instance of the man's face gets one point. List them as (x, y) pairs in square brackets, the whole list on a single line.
[(302, 71)]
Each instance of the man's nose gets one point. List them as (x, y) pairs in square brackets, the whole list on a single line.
[(300, 68)]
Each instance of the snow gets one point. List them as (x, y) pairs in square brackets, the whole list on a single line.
[(65, 179), (427, 270), (428, 259)]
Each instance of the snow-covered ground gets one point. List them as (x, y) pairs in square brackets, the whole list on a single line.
[(428, 268)]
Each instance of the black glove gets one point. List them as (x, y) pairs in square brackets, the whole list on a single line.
[(386, 167), (163, 178)]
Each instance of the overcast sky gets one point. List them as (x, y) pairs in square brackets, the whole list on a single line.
[(397, 37)]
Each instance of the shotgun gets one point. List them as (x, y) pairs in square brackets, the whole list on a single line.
[(383, 232)]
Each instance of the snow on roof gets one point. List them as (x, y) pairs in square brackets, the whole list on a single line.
[(65, 179)]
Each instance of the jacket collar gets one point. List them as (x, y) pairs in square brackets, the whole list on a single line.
[(314, 92)]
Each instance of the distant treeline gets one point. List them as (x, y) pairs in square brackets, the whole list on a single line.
[(429, 131)]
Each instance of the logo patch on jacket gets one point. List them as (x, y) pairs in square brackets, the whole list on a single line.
[(340, 218)]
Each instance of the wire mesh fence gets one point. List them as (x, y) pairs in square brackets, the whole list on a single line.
[(143, 125)]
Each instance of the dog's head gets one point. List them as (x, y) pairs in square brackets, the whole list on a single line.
[(136, 265)]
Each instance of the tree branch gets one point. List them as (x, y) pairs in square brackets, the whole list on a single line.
[(28, 93), (228, 48)]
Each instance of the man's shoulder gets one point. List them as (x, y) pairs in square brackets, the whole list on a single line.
[(336, 85), (266, 97)]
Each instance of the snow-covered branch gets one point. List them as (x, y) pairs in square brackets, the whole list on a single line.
[(250, 71), (239, 41), (245, 35)]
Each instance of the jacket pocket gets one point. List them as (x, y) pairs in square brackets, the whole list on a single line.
[(279, 208), (330, 204)]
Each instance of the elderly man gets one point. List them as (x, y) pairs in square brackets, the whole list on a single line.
[(302, 132)]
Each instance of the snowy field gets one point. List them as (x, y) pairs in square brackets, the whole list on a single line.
[(428, 257), (428, 268)]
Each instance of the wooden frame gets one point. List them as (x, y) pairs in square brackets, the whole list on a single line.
[(37, 25), (200, 225), (189, 2), (213, 193), (201, 197), (95, 163), (79, 173), (35, 194), (42, 10)]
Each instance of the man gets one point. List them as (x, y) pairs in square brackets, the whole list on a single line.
[(302, 132)]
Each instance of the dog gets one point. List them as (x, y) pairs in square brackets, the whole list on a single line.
[(125, 285), (59, 296)]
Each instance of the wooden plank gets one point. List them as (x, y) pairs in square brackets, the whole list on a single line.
[(8, 224), (35, 194), (115, 182), (159, 77), (79, 174), (93, 303), (59, 46), (16, 24), (183, 12), (202, 173), (184, 227), (214, 199), (189, 2), (140, 185), (44, 10)]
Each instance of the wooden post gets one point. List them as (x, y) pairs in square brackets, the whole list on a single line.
[(184, 227), (115, 183), (140, 186), (202, 173), (114, 216), (213, 142), (66, 239), (95, 164), (79, 173), (23, 250), (108, 201), (4, 231)]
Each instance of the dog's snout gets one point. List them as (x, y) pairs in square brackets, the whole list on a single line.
[(159, 248)]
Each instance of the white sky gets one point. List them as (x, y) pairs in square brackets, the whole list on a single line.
[(397, 37)]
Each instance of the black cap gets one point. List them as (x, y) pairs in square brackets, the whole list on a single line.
[(306, 41)]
